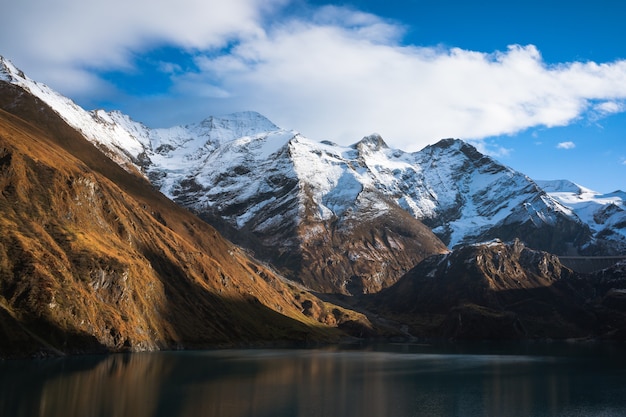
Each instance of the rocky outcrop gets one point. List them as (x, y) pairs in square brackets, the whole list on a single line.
[(363, 252), (503, 291)]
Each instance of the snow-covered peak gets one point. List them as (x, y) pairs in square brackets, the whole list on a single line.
[(562, 186), (570, 193), (373, 142), (449, 144), (604, 213), (8, 71), (618, 193), (123, 137), (235, 125)]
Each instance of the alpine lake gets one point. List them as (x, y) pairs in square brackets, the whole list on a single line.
[(387, 380)]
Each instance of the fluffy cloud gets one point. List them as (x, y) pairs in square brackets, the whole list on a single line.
[(343, 79), (609, 107), (51, 37), (335, 74), (566, 145)]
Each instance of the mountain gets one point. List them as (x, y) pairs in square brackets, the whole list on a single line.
[(605, 214), (97, 254), (93, 258), (308, 208), (252, 180), (346, 219), (499, 290)]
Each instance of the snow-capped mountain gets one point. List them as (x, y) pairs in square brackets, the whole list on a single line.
[(605, 214), (339, 218)]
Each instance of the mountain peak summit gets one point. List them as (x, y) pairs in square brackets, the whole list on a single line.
[(240, 124), (8, 71), (248, 115), (373, 142), (448, 143)]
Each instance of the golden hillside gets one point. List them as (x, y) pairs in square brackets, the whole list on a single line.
[(92, 258)]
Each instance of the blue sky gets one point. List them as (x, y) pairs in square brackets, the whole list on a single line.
[(539, 85)]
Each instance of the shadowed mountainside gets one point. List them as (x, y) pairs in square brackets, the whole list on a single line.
[(93, 258), (505, 291)]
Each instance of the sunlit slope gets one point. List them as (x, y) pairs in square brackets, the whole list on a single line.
[(92, 258)]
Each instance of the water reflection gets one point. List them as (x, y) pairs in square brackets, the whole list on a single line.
[(394, 381)]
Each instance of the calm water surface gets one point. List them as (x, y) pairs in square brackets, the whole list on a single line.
[(390, 380)]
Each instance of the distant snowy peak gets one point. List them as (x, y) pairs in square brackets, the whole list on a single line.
[(562, 186), (570, 193), (475, 197), (466, 157), (236, 125), (566, 187), (372, 142), (604, 213), (211, 133)]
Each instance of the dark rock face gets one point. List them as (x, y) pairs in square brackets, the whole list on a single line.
[(503, 291), (363, 253)]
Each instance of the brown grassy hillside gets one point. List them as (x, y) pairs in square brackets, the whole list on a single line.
[(92, 258)]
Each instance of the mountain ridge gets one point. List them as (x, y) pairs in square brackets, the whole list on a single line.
[(463, 196), (93, 258)]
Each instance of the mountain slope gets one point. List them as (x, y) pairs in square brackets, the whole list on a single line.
[(92, 258)]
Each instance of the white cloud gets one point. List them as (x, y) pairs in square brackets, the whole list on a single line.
[(77, 35), (609, 107), (491, 149), (606, 108), (566, 145), (169, 67), (325, 80), (337, 74)]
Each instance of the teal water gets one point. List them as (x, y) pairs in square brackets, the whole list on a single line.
[(389, 380)]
